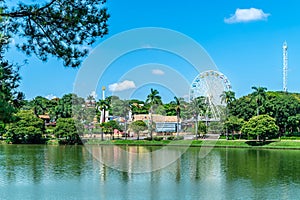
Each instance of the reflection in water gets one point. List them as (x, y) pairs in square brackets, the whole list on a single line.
[(70, 172), (135, 159)]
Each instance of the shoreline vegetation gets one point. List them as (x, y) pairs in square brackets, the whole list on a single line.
[(284, 144), (221, 143), (249, 122)]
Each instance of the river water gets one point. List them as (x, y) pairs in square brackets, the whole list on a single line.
[(72, 172)]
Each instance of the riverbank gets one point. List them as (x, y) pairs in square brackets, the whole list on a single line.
[(271, 144)]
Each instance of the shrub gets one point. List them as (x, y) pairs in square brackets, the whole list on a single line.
[(157, 138), (170, 138)]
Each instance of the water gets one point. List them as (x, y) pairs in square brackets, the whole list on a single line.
[(71, 172)]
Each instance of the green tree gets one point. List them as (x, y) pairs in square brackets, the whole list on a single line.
[(259, 96), (243, 107), (58, 28), (110, 126), (281, 106), (293, 123), (68, 106), (261, 126), (40, 105), (68, 129), (10, 98), (233, 124), (185, 110), (202, 128), (102, 106), (153, 99), (227, 97), (198, 107), (177, 106), (27, 129), (138, 107), (138, 126)]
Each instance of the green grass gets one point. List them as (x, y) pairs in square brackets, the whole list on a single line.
[(209, 143)]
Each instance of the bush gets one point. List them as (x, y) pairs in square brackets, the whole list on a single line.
[(170, 138), (157, 138)]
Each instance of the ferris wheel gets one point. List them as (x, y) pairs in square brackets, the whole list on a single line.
[(211, 85)]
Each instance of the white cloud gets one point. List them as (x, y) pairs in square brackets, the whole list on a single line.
[(247, 15), (121, 86), (158, 72), (50, 96)]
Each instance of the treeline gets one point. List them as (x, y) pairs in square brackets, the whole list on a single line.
[(259, 115), (68, 117), (264, 113)]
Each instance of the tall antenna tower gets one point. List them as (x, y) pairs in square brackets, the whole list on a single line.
[(285, 65)]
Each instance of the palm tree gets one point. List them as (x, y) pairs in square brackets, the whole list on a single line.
[(153, 99), (90, 100), (227, 97), (197, 107), (177, 106), (259, 95), (102, 106)]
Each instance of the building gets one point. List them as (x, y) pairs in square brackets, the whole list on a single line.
[(162, 123)]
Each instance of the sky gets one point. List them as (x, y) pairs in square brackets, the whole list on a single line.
[(241, 39)]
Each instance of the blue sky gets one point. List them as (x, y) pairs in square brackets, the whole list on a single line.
[(246, 47)]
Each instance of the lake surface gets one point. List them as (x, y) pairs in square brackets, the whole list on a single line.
[(72, 172)]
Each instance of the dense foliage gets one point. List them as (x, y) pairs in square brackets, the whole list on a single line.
[(138, 126), (27, 129), (279, 115), (261, 126), (68, 129), (61, 28), (283, 107)]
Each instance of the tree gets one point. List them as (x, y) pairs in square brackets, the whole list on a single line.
[(138, 126), (138, 107), (233, 124), (68, 106), (197, 106), (110, 126), (27, 129), (101, 107), (153, 99), (259, 95), (293, 123), (261, 126), (69, 129), (202, 128), (177, 106), (10, 98), (227, 97), (125, 113), (281, 106), (243, 107), (58, 28), (40, 105)]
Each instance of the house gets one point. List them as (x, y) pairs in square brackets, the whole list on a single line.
[(162, 123), (47, 121)]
